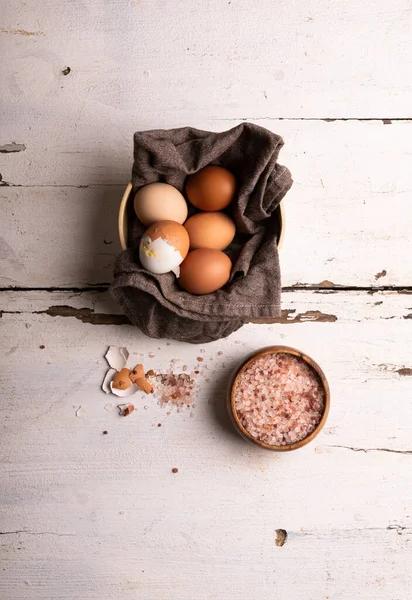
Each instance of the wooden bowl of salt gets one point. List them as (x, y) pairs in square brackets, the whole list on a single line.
[(279, 399)]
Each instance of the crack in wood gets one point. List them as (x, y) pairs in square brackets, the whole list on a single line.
[(327, 287), (289, 316), (398, 528), (13, 147), (22, 32), (85, 315), (67, 185), (309, 287), (28, 532), (383, 120), (404, 372), (89, 287), (366, 450)]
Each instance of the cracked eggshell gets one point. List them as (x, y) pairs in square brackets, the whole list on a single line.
[(124, 393), (116, 357), (163, 247), (137, 373), (121, 379), (107, 380), (125, 353)]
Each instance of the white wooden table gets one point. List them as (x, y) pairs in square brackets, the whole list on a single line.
[(90, 516)]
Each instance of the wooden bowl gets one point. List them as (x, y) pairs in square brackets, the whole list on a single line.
[(231, 398), (126, 212)]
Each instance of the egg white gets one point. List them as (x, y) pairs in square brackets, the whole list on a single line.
[(158, 256)]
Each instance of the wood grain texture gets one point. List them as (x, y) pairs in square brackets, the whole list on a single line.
[(170, 62), (87, 515)]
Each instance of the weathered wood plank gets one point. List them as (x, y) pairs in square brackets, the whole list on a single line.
[(167, 63), (87, 515), (299, 305), (361, 158)]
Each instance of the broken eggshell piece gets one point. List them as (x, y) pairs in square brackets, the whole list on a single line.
[(121, 380), (137, 373), (117, 357), (125, 409), (107, 380), (124, 393)]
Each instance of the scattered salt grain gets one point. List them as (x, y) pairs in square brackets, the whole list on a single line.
[(279, 399), (177, 390)]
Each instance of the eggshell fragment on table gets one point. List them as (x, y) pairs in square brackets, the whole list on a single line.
[(121, 380), (137, 373), (125, 409), (107, 380), (144, 385), (117, 357), (124, 393), (124, 352)]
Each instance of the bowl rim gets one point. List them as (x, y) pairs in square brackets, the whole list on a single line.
[(122, 218), (250, 360)]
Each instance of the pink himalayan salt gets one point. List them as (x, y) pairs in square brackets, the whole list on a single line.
[(279, 399), (176, 390)]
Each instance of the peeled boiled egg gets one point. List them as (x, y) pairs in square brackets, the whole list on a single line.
[(163, 247), (210, 230), (160, 202), (212, 188), (204, 271)]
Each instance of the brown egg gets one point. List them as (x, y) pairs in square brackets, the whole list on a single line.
[(210, 230), (204, 271), (212, 188)]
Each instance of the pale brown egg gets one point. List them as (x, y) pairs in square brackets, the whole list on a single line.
[(212, 188), (163, 246), (204, 271), (210, 230), (160, 202)]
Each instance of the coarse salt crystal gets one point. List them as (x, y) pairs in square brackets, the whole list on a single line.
[(279, 399)]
